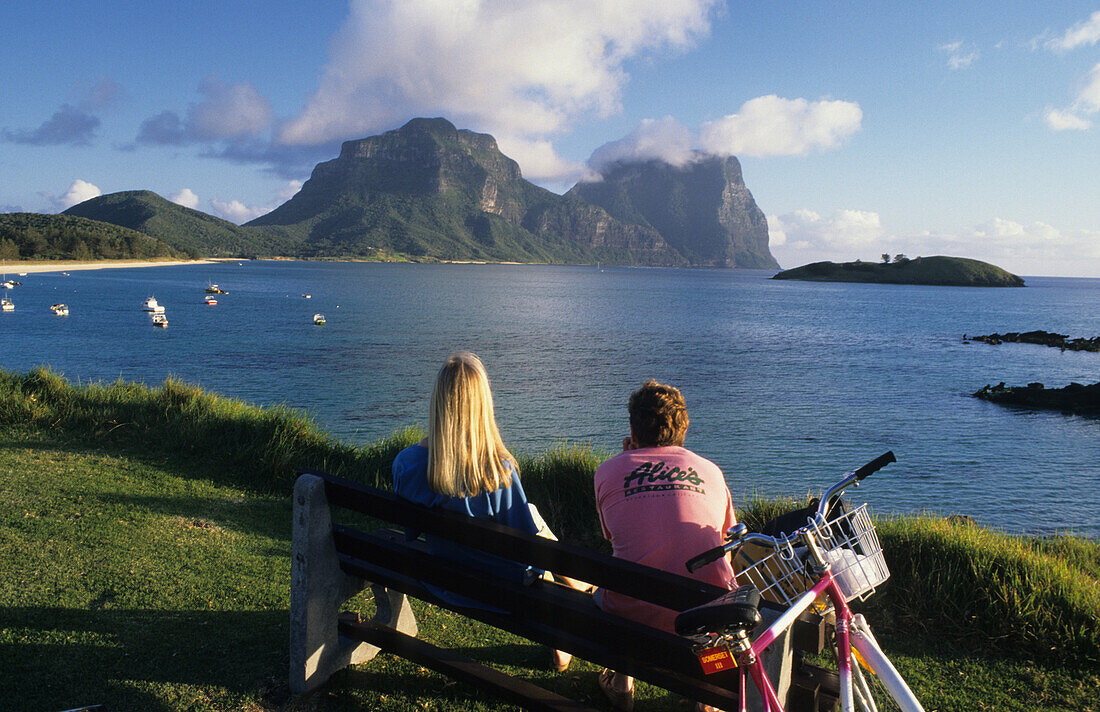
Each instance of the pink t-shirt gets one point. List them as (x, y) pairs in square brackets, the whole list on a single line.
[(660, 506)]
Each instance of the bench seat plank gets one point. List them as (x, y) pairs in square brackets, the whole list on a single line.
[(458, 667)]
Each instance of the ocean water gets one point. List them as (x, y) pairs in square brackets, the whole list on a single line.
[(788, 384)]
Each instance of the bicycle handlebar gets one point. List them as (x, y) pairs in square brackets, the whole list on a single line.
[(739, 533), (874, 465)]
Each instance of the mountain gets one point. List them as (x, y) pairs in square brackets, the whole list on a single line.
[(940, 270), (187, 230), (702, 210), (65, 237), (430, 190)]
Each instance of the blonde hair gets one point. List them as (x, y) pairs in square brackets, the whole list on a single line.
[(465, 453)]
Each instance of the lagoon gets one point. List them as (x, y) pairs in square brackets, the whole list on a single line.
[(788, 383)]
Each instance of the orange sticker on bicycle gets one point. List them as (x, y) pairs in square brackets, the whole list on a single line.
[(716, 659)]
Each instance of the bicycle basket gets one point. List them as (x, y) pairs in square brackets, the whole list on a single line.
[(850, 545), (853, 549)]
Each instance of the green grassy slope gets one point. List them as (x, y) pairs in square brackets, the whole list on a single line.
[(150, 571), (183, 228)]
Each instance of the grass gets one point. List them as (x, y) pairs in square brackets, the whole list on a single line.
[(152, 573)]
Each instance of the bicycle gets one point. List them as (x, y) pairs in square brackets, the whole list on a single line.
[(832, 559)]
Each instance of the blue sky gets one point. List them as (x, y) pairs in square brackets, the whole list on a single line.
[(956, 128)]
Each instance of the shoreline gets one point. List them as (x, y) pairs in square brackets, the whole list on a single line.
[(63, 266)]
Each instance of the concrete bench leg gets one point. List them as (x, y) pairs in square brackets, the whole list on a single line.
[(777, 660), (318, 588)]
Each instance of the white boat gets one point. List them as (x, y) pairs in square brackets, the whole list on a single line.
[(319, 319), (60, 309), (8, 284), (307, 296), (210, 299), (160, 319), (151, 305), (6, 304)]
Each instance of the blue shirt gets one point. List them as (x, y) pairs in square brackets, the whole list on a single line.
[(505, 505)]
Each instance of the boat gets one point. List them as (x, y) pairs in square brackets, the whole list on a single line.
[(151, 305), (8, 284), (60, 309), (215, 289), (160, 319), (307, 296), (7, 304), (210, 299), (319, 319)]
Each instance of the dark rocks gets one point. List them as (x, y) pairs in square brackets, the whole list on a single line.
[(1074, 398), (1043, 338)]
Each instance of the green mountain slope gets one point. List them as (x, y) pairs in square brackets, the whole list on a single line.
[(426, 190), (185, 229), (65, 237), (940, 270)]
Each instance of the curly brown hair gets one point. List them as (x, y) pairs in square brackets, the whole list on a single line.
[(658, 415)]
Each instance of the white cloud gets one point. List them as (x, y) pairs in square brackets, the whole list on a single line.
[(1086, 103), (804, 236), (960, 56), (522, 68), (662, 139), (78, 192), (235, 211), (1086, 32), (228, 111), (288, 191), (186, 198), (774, 126), (1064, 120), (538, 160)]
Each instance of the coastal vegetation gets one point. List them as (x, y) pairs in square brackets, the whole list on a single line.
[(146, 546), (26, 236), (938, 270)]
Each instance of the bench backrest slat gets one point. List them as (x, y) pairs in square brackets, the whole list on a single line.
[(536, 602), (630, 579)]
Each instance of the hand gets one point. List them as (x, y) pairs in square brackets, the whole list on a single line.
[(628, 444)]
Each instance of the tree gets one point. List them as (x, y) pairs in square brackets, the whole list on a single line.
[(899, 258), (885, 258)]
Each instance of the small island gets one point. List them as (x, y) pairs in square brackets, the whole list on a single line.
[(937, 271), (1074, 398)]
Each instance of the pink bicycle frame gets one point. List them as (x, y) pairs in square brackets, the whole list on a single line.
[(828, 586)]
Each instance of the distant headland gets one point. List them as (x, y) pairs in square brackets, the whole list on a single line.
[(938, 270)]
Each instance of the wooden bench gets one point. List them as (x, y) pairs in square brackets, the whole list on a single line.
[(332, 562)]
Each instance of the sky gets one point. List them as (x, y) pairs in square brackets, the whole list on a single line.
[(863, 128)]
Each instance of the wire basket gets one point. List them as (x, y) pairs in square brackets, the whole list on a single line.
[(849, 543)]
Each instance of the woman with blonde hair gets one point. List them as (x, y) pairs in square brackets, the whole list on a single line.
[(463, 466)]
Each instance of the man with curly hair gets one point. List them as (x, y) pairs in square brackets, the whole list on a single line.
[(659, 503)]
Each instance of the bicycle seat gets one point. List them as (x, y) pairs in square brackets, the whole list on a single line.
[(736, 610)]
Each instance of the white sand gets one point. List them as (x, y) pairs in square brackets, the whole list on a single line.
[(16, 268)]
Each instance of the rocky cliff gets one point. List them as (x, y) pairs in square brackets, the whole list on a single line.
[(702, 210)]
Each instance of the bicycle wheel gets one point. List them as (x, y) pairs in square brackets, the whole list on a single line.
[(868, 692), (876, 684)]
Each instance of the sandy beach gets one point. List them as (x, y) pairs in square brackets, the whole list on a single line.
[(17, 268)]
